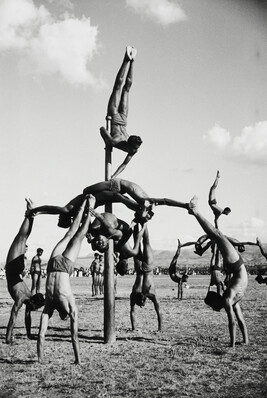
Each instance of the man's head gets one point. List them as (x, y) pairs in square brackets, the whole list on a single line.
[(64, 221), (122, 267), (227, 210), (214, 300), (36, 302), (135, 141), (139, 299), (39, 251), (142, 220), (241, 248), (100, 243), (96, 256)]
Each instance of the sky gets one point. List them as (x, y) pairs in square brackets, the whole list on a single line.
[(198, 101)]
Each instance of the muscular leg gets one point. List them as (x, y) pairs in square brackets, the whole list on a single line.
[(124, 102), (115, 98), (241, 322), (64, 242), (19, 243), (73, 247), (226, 248), (34, 283), (97, 188), (168, 202), (38, 285), (172, 267), (28, 321), (147, 249), (213, 187)]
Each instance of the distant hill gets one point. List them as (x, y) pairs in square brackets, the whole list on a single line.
[(162, 259)]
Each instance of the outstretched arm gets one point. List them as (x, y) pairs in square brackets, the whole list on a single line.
[(132, 252), (132, 312), (124, 164), (156, 306)]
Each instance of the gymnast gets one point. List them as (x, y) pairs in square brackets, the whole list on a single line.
[(259, 278), (15, 270), (36, 271), (94, 269), (174, 271), (58, 289), (114, 191), (217, 211), (233, 264), (143, 287), (117, 112), (107, 226)]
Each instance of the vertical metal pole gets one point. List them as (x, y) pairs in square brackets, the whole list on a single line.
[(109, 295)]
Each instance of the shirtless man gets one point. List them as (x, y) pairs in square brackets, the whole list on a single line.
[(217, 211), (111, 191), (233, 264), (117, 112), (58, 289), (174, 271), (36, 271), (259, 278), (94, 268), (144, 287), (107, 226), (15, 269)]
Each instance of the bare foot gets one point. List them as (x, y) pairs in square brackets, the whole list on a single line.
[(30, 204), (193, 205), (133, 53), (128, 53)]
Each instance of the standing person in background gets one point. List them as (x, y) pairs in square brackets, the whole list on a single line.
[(36, 271), (174, 272), (94, 268), (101, 275)]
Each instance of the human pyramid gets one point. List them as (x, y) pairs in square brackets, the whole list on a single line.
[(76, 217)]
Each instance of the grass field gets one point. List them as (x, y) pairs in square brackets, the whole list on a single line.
[(189, 358)]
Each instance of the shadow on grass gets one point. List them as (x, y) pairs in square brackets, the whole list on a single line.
[(18, 361)]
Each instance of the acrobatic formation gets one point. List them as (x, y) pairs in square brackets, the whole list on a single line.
[(76, 216)]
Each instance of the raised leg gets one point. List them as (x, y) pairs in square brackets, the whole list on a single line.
[(115, 98), (124, 102)]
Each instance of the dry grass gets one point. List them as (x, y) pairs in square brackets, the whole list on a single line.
[(189, 358)]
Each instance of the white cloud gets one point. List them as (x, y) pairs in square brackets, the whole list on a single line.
[(248, 229), (218, 136), (48, 45), (163, 12), (250, 145)]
